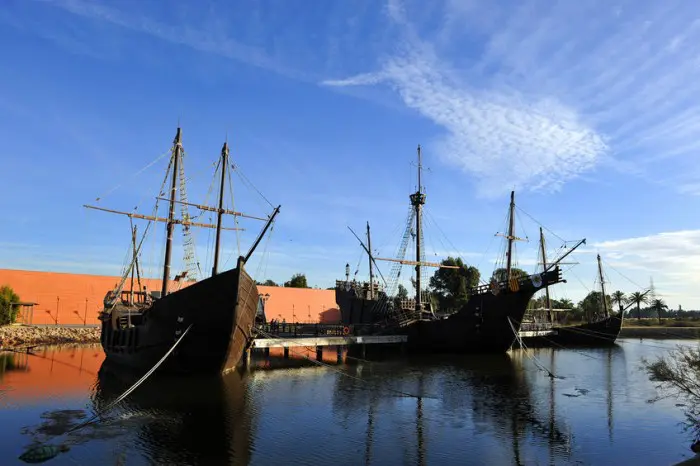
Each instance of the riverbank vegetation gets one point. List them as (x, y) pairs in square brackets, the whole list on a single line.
[(677, 375), (8, 308)]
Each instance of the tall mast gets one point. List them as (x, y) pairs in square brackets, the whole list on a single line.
[(602, 287), (511, 237), (224, 164), (171, 213), (417, 200), (371, 270), (136, 260), (134, 264), (544, 267)]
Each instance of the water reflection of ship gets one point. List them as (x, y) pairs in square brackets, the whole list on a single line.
[(193, 421), (497, 398)]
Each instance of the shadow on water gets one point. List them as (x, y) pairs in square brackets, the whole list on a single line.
[(185, 421)]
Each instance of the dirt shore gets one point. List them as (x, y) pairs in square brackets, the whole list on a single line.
[(15, 336)]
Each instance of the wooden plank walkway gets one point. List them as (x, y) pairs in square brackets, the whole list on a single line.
[(291, 342)]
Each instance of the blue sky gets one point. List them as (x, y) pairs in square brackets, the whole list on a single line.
[(589, 110)]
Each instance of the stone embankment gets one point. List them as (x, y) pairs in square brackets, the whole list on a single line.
[(18, 336)]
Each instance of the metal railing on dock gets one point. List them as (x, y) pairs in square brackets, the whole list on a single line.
[(300, 330)]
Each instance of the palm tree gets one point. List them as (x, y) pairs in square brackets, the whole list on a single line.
[(659, 305), (637, 298), (619, 298), (566, 304)]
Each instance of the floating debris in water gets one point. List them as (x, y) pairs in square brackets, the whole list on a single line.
[(41, 453), (582, 391), (571, 395)]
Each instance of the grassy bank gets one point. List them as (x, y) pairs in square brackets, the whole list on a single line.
[(660, 332), (676, 323), (15, 336)]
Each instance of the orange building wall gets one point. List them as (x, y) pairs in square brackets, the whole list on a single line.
[(67, 297), (300, 304)]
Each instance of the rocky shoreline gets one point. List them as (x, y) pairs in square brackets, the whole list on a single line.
[(18, 336)]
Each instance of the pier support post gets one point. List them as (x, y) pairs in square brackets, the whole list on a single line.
[(246, 359), (266, 352), (339, 353), (286, 352), (364, 351), (319, 353)]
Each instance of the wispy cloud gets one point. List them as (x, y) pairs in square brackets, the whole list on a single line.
[(672, 259), (534, 96)]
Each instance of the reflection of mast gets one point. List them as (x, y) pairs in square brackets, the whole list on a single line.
[(370, 428), (610, 394), (419, 423), (514, 424), (552, 410)]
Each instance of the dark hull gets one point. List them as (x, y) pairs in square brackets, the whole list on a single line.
[(221, 310), (601, 333), (483, 325), (355, 310)]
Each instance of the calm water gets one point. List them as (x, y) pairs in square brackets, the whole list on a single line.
[(475, 410)]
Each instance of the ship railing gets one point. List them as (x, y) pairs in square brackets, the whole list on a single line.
[(527, 280), (341, 284), (535, 326), (301, 329)]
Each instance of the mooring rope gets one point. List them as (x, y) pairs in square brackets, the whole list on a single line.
[(527, 353), (38, 449)]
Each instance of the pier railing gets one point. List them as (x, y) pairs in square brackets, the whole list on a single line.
[(535, 326), (297, 329)]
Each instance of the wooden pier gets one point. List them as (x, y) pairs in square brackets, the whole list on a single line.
[(321, 336), (316, 336)]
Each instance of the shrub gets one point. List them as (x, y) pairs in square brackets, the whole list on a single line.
[(8, 312)]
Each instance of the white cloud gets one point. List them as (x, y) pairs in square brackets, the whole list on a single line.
[(534, 143), (672, 259), (213, 39), (549, 96)]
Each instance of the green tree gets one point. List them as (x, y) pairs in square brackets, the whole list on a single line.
[(298, 280), (451, 286), (401, 294), (592, 305), (618, 298), (637, 298), (565, 304), (8, 311), (268, 282), (659, 306), (500, 273)]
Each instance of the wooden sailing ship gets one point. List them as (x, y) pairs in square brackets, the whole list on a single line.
[(488, 322), (139, 327), (601, 329)]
